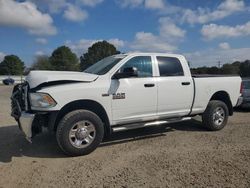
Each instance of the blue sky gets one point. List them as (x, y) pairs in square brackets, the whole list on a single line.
[(205, 31)]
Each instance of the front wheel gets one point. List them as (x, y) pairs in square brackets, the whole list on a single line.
[(79, 132), (215, 116)]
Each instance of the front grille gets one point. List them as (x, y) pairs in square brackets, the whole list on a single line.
[(19, 100)]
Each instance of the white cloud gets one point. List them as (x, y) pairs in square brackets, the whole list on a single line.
[(117, 42), (74, 13), (130, 3), (2, 55), (166, 41), (232, 5), (82, 45), (200, 15), (169, 29), (91, 3), (150, 42), (224, 46), (71, 10), (26, 15), (211, 57), (213, 31), (154, 4), (39, 53), (143, 41), (205, 15), (149, 4), (54, 6), (41, 41)]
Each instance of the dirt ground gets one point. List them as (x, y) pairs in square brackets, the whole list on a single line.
[(177, 155)]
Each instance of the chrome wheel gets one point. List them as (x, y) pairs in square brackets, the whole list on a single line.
[(82, 134), (218, 116)]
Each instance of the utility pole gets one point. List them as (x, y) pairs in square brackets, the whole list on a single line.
[(219, 64)]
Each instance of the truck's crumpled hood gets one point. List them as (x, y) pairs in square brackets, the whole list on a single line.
[(36, 78)]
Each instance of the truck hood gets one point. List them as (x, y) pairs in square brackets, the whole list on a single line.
[(37, 78)]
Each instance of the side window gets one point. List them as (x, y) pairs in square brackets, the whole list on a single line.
[(143, 65), (170, 66)]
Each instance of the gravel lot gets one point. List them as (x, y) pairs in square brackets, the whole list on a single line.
[(176, 155)]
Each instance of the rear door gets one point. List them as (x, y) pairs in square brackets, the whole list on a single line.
[(175, 87)]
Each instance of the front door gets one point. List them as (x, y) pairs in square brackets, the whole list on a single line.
[(135, 98)]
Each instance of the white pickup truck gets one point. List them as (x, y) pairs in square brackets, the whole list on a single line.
[(118, 93)]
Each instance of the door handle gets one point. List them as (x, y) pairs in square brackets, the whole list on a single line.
[(149, 85), (185, 83)]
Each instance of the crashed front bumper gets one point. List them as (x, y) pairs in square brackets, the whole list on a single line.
[(20, 108), (25, 122)]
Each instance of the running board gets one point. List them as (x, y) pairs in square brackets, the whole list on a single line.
[(148, 124)]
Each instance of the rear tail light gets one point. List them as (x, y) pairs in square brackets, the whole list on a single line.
[(241, 88)]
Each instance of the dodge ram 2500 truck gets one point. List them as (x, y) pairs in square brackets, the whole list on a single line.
[(118, 93)]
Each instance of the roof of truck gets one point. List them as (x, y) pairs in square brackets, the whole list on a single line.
[(147, 54), (152, 53)]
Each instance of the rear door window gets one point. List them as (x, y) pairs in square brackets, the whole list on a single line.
[(169, 66)]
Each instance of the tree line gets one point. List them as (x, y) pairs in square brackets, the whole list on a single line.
[(236, 68), (63, 59)]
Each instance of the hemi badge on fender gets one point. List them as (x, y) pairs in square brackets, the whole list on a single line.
[(119, 96)]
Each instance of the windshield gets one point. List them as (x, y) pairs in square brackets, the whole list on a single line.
[(246, 84), (103, 66)]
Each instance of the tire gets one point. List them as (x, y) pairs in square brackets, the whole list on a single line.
[(215, 116), (79, 132)]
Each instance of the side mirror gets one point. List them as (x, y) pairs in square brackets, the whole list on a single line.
[(127, 73)]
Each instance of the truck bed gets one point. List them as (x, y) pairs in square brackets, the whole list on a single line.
[(207, 85)]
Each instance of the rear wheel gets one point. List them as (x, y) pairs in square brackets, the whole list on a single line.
[(215, 116), (79, 132)]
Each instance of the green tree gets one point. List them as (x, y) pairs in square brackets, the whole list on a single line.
[(11, 65), (230, 68), (245, 68), (63, 59), (199, 70), (97, 52), (213, 70), (42, 63)]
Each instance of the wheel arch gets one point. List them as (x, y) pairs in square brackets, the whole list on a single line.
[(224, 97), (90, 105)]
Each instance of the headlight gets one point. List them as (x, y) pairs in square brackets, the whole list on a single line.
[(41, 100)]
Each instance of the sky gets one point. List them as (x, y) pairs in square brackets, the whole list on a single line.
[(205, 31)]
